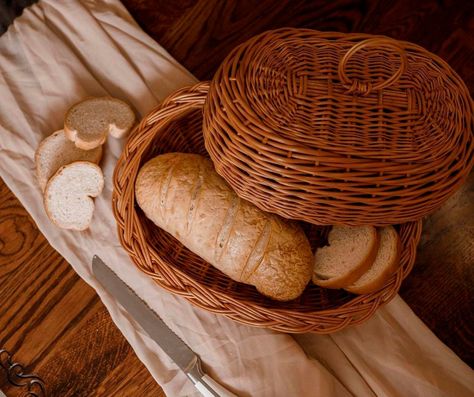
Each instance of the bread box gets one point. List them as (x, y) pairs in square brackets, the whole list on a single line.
[(176, 126), (326, 128)]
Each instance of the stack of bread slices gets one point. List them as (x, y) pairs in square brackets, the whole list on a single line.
[(358, 259), (67, 161)]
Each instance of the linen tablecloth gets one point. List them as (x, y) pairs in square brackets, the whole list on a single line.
[(58, 52)]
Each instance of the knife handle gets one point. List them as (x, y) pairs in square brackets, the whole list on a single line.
[(210, 388), (207, 386)]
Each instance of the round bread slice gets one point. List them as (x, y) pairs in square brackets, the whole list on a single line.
[(351, 251), (68, 194), (55, 151), (88, 122), (385, 263)]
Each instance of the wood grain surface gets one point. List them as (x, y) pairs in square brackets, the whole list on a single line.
[(54, 323)]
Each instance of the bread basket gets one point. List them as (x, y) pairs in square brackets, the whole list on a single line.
[(176, 126), (334, 128)]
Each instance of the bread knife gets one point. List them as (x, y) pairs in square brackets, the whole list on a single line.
[(172, 345)]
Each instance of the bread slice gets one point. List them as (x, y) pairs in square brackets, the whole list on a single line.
[(55, 151), (68, 194), (351, 251), (88, 123), (385, 263)]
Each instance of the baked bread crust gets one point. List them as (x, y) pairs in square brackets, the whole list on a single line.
[(183, 194)]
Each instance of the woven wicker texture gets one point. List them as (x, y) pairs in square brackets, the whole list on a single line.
[(335, 128), (176, 126)]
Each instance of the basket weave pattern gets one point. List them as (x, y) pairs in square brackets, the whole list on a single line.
[(176, 126), (335, 128)]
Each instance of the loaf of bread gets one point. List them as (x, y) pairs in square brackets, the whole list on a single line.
[(183, 194)]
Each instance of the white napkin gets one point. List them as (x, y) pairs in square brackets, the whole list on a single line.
[(55, 54)]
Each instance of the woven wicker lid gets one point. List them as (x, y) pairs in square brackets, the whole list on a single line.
[(336, 128)]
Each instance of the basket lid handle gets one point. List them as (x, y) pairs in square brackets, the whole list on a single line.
[(364, 88)]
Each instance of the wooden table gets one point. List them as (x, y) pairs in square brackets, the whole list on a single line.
[(55, 324)]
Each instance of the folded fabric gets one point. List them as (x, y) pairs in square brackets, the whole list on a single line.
[(55, 54)]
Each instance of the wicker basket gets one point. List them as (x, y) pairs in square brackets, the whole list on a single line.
[(335, 128), (176, 126)]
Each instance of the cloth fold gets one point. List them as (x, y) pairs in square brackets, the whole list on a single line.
[(55, 54)]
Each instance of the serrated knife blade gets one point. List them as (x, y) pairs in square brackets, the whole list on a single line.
[(155, 327)]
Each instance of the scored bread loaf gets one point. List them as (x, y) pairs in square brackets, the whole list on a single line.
[(351, 251), (183, 194), (55, 151), (69, 192), (88, 122), (384, 265)]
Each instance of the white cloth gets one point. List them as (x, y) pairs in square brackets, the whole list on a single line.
[(58, 52)]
